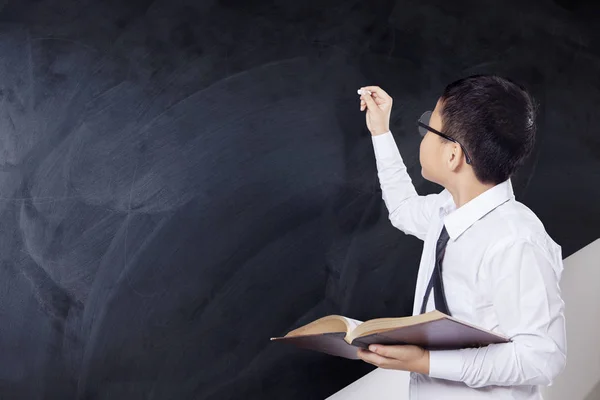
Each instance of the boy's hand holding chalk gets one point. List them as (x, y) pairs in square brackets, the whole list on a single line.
[(379, 108)]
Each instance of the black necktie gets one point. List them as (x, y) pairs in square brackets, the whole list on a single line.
[(435, 281)]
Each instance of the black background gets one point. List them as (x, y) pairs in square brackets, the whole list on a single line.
[(181, 181)]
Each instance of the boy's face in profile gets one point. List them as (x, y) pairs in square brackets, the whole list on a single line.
[(432, 149)]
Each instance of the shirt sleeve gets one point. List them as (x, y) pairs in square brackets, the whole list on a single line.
[(408, 211), (524, 280)]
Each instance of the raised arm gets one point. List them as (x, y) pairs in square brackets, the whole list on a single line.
[(408, 211)]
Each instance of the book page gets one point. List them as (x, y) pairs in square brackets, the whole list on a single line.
[(353, 323)]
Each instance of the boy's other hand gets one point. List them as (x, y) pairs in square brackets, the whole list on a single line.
[(379, 109), (403, 357)]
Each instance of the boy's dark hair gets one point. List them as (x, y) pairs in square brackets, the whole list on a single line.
[(494, 118)]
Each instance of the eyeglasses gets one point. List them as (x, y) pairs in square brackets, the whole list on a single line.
[(423, 124)]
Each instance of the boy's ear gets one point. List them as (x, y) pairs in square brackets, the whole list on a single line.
[(454, 157)]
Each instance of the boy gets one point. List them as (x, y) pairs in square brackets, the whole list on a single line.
[(486, 257)]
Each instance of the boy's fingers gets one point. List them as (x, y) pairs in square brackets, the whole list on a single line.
[(379, 100), (372, 358), (369, 101), (376, 90)]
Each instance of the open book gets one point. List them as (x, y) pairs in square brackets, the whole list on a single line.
[(341, 336)]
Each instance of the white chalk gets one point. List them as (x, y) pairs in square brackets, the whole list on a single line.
[(360, 91)]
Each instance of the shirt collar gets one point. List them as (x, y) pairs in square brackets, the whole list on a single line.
[(458, 220)]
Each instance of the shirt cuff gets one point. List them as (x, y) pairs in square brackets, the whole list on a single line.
[(446, 364), (385, 145)]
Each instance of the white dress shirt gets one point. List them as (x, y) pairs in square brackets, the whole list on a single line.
[(501, 271)]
